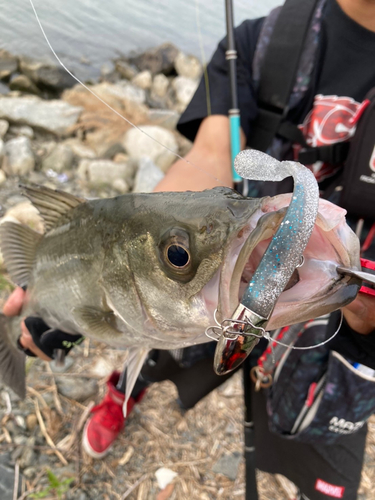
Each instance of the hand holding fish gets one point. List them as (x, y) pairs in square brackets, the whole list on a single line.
[(13, 307), (360, 314)]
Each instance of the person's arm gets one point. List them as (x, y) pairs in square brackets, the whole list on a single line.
[(209, 159), (360, 314)]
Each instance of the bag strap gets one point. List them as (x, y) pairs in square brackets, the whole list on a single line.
[(279, 68)]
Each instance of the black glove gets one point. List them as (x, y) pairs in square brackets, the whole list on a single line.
[(48, 339)]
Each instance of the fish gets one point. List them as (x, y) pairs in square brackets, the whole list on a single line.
[(153, 271)]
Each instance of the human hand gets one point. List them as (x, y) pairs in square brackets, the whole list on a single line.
[(37, 338), (360, 314)]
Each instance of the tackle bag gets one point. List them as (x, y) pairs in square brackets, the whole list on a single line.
[(318, 395)]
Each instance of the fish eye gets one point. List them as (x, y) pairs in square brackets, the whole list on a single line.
[(177, 255)]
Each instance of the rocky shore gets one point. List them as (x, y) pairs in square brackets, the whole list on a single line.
[(55, 131)]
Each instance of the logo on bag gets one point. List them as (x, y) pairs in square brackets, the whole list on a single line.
[(372, 160), (330, 490), (342, 426)]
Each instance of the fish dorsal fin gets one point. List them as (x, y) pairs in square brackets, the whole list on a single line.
[(51, 204), (18, 244)]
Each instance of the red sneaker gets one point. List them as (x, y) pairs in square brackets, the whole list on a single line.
[(107, 421)]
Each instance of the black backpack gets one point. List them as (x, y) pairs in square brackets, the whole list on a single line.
[(286, 50)]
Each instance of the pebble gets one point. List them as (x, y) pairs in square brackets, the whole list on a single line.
[(147, 177), (104, 172), (143, 80), (31, 421), (60, 159), (78, 389), (185, 88), (19, 158), (4, 125), (22, 130), (228, 465), (3, 177), (188, 65), (139, 145), (160, 86), (53, 116)]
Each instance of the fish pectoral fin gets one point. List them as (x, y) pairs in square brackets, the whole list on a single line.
[(96, 323), (12, 361), (133, 364), (51, 203), (18, 245)]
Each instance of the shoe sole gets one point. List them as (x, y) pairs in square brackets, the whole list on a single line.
[(87, 448)]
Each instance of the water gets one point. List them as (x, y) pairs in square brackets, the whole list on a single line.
[(88, 33)]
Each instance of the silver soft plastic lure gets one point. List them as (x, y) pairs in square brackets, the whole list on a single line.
[(284, 254)]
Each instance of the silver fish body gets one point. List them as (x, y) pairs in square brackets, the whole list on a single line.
[(145, 271)]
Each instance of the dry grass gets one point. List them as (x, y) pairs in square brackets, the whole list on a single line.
[(157, 435)]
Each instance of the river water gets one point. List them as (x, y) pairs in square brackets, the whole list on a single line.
[(88, 33)]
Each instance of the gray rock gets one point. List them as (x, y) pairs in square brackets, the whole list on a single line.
[(107, 69), (166, 118), (46, 75), (158, 60), (113, 150), (28, 455), (228, 465), (189, 66), (125, 69), (24, 84), (139, 145), (30, 472), (60, 159), (147, 176), (8, 64), (159, 86), (78, 389), (185, 89), (4, 125), (7, 483), (3, 177), (122, 90), (24, 130), (19, 158), (100, 173), (80, 149), (53, 116), (143, 80)]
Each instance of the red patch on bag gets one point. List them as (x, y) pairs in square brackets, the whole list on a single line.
[(330, 490)]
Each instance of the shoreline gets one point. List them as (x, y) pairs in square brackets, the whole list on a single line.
[(53, 131)]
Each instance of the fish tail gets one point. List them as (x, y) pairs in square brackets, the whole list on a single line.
[(12, 361), (18, 245)]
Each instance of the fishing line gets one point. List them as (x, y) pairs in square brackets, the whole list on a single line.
[(203, 56), (110, 107), (267, 336), (215, 332)]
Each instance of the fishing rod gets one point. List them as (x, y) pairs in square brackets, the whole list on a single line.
[(235, 145), (233, 112)]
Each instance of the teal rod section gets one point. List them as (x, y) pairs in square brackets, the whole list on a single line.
[(235, 144)]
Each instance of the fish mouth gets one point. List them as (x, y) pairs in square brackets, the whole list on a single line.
[(315, 287)]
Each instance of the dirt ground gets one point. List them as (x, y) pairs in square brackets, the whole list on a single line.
[(157, 435)]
